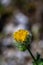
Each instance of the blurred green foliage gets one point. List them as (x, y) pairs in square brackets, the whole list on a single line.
[(38, 60), (2, 9)]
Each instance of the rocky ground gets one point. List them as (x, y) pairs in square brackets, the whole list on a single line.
[(14, 57)]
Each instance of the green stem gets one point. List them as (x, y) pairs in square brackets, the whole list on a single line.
[(32, 55)]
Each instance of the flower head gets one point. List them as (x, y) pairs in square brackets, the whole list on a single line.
[(21, 35)]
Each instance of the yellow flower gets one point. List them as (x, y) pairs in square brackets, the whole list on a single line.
[(21, 35)]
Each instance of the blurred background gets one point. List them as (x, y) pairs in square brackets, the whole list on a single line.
[(15, 15)]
